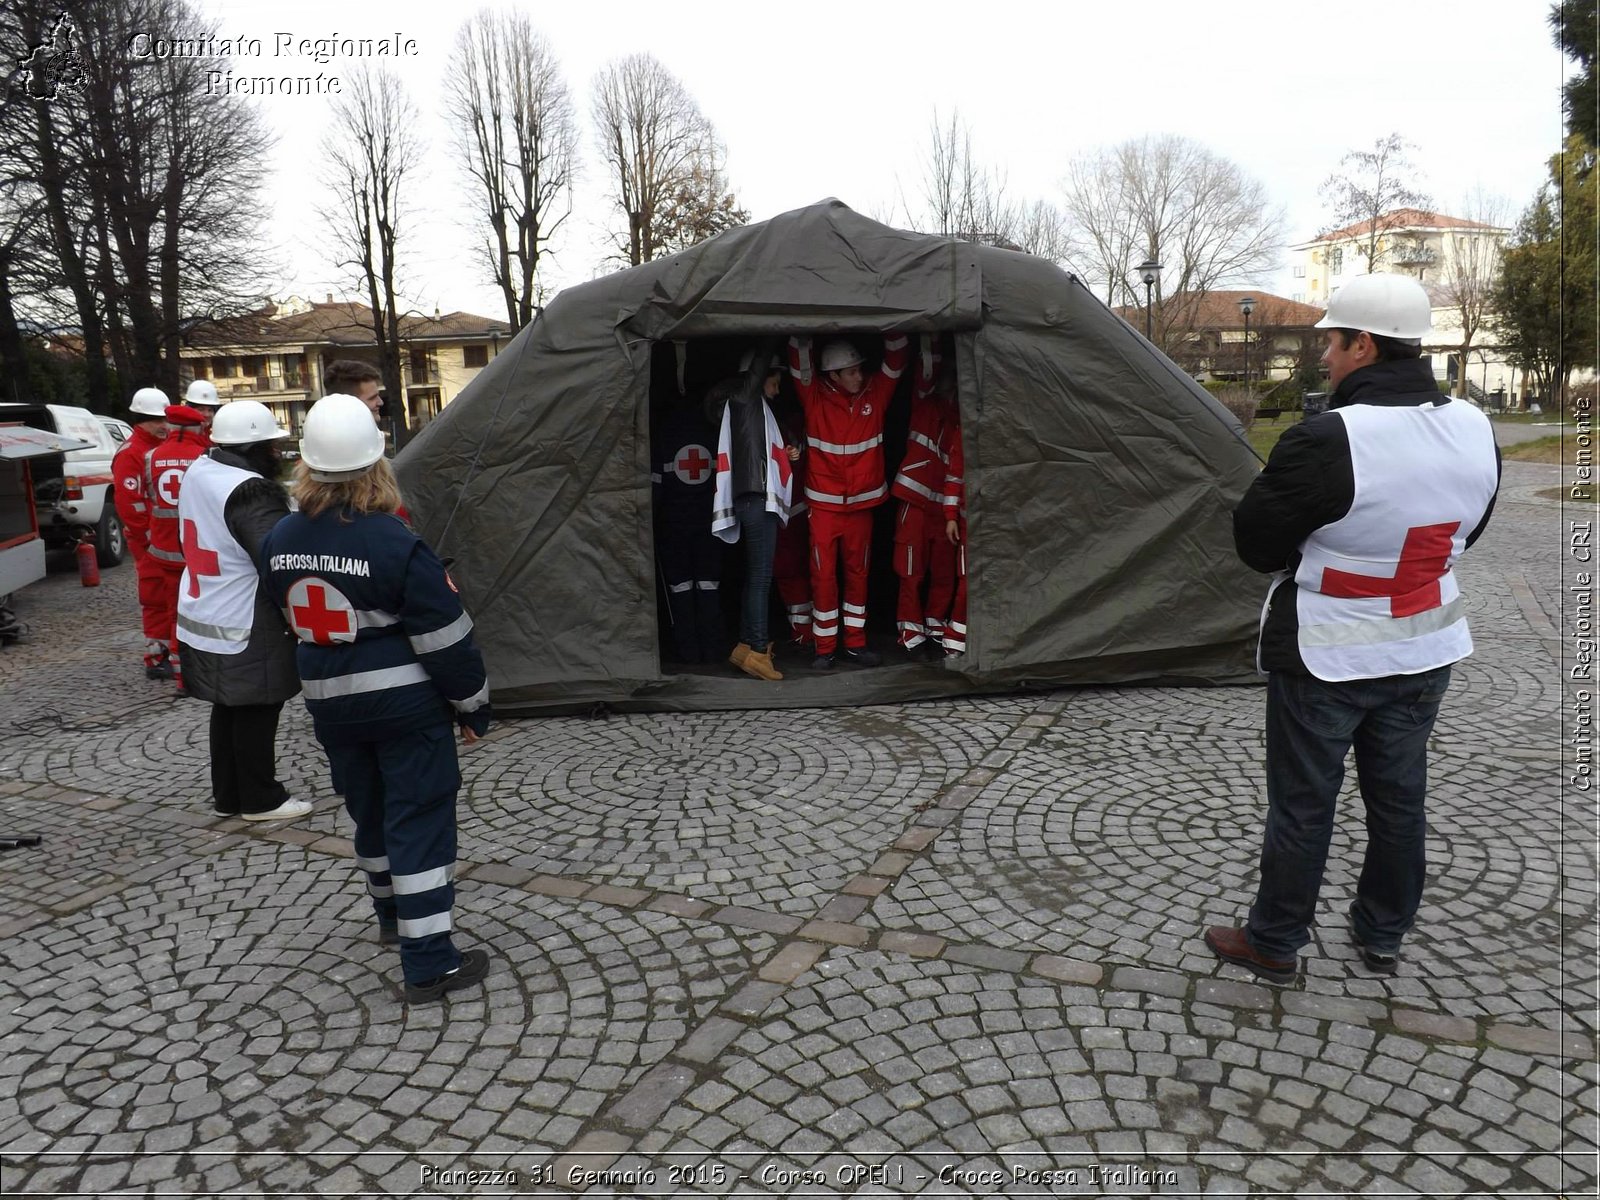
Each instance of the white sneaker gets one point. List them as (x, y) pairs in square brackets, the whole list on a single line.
[(287, 811)]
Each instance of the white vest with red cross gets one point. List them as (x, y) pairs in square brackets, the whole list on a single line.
[(217, 596), (1376, 594)]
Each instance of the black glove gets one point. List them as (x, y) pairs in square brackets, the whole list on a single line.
[(477, 720)]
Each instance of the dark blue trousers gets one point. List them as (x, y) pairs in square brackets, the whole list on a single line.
[(1311, 727), (401, 793), (758, 529)]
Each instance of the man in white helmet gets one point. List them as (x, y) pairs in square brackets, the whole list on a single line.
[(237, 652), (148, 416), (845, 410), (202, 396), (1360, 516)]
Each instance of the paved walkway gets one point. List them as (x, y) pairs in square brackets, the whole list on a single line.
[(947, 948)]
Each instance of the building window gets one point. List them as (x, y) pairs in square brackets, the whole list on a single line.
[(474, 356), (202, 369), (1299, 272), (250, 366), (1335, 261), (1299, 297), (222, 368)]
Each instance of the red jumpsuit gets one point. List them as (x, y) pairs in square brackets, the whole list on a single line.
[(844, 483), (133, 510), (165, 467), (955, 509), (791, 563), (921, 549)]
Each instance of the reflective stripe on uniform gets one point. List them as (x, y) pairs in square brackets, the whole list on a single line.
[(171, 556), (377, 865), (424, 881), (709, 585), (852, 448), (1385, 629), (903, 480), (439, 639), (830, 498), (473, 702), (420, 927), (364, 681), (923, 439), (379, 891), (202, 629)]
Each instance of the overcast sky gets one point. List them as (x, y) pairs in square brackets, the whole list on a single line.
[(836, 99)]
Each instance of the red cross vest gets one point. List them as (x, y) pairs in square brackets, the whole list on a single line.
[(217, 596), (164, 469), (1377, 594), (920, 480)]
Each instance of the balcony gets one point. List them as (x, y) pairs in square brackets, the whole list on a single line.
[(427, 376)]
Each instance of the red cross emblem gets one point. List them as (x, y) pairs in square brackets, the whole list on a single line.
[(320, 614), (782, 459), (201, 563), (168, 484), (692, 463), (1414, 587)]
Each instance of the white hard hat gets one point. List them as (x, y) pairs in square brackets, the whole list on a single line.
[(203, 392), (150, 402), (243, 423), (340, 440), (836, 356), (1392, 306)]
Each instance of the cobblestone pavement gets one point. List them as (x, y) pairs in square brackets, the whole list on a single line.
[(947, 948)]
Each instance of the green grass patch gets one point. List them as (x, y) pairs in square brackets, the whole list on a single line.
[(1540, 450)]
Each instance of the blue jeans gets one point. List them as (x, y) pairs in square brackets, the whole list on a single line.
[(758, 529), (1311, 726)]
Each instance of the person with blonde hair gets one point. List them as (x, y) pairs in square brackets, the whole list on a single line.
[(387, 665)]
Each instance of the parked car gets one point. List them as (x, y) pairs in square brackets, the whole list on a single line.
[(72, 491), (22, 448)]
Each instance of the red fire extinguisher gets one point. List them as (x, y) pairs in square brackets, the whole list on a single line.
[(88, 565)]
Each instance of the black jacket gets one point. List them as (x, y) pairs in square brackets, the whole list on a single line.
[(1308, 483), (264, 671)]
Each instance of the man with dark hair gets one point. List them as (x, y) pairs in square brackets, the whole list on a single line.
[(1360, 515), (352, 377)]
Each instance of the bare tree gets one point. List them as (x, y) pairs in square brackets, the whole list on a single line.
[(1370, 191), (516, 129), (1470, 268), (144, 178), (653, 137), (964, 198), (1172, 199), (699, 207), (372, 152)]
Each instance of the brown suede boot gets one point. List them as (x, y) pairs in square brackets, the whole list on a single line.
[(740, 653), (760, 666)]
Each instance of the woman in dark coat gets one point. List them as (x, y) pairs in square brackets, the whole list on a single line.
[(238, 653)]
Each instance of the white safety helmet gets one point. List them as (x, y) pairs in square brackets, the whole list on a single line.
[(150, 402), (340, 440), (202, 392), (243, 423), (1392, 306), (836, 356)]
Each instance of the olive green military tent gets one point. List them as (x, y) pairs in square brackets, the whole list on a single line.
[(1100, 478)]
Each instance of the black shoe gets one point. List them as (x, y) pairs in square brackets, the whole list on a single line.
[(822, 662), (160, 670), (1377, 961), (388, 933), (474, 966), (218, 811), (863, 657), (935, 651)]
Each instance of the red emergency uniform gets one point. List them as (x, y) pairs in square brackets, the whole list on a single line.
[(165, 467), (844, 483), (955, 509), (133, 510), (791, 561), (922, 552)]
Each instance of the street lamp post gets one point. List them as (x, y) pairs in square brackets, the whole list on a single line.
[(1247, 305), (1149, 272)]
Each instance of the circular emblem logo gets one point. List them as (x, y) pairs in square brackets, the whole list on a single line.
[(693, 464), (319, 612), (866, 409), (131, 484), (168, 484)]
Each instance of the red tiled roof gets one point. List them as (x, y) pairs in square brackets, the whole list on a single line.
[(1402, 218), (1220, 310), (340, 324)]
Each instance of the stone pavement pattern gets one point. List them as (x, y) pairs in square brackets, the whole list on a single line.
[(820, 952)]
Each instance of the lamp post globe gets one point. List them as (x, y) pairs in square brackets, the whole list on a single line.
[(1149, 273), (1247, 305)]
